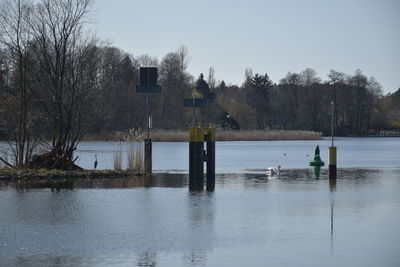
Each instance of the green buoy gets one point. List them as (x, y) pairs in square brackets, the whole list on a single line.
[(317, 159)]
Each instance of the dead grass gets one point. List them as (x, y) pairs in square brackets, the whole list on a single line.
[(118, 158), (251, 135), (268, 135), (137, 135), (169, 136), (135, 157)]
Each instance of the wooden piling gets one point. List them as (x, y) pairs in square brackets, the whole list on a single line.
[(332, 162), (210, 139), (196, 159), (148, 156)]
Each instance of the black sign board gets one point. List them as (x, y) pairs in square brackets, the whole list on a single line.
[(148, 77), (148, 81), (197, 102)]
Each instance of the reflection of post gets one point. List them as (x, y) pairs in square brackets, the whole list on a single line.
[(147, 259), (332, 188), (331, 226), (332, 184)]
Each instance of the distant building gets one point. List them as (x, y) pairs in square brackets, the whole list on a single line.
[(389, 133)]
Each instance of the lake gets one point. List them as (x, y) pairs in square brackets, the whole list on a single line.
[(244, 157), (293, 219)]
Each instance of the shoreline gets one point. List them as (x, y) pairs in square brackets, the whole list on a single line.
[(221, 135), (55, 175)]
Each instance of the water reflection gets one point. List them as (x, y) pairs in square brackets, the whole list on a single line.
[(201, 232), (332, 189), (195, 258), (317, 171), (168, 180), (147, 259), (158, 180), (245, 221)]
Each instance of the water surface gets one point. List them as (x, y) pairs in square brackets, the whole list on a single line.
[(293, 219), (244, 157)]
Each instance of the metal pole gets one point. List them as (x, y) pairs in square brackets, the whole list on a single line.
[(332, 152), (147, 142), (332, 121), (147, 102), (193, 113)]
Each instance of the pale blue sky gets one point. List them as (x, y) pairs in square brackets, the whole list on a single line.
[(270, 36)]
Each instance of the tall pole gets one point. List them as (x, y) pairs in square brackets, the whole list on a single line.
[(193, 113), (332, 151), (332, 121), (147, 103), (147, 142)]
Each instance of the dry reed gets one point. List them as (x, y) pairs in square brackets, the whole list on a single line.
[(118, 158), (267, 135), (138, 135), (135, 157), (244, 135)]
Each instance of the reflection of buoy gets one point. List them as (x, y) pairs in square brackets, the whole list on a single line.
[(317, 159), (317, 171)]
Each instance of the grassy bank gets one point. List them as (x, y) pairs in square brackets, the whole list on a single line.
[(182, 136)]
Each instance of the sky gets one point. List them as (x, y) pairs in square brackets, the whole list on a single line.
[(268, 36)]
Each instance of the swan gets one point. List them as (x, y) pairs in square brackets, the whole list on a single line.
[(273, 171)]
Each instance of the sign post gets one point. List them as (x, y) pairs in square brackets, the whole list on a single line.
[(197, 154), (148, 84), (332, 150)]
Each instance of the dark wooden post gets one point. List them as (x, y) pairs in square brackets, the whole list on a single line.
[(196, 159), (210, 140), (148, 156)]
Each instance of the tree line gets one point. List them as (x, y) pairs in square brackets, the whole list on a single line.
[(59, 83)]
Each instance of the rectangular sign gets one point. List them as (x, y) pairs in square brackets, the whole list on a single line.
[(197, 102), (148, 76)]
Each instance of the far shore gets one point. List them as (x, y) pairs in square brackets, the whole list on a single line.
[(221, 135)]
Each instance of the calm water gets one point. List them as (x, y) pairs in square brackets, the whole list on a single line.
[(244, 157), (294, 219)]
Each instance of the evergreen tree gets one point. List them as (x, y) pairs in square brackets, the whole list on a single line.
[(202, 87), (259, 98)]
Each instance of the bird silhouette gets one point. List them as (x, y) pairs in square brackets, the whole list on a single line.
[(95, 162)]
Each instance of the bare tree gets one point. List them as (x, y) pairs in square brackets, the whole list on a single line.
[(66, 74), (147, 61), (15, 36), (175, 82)]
